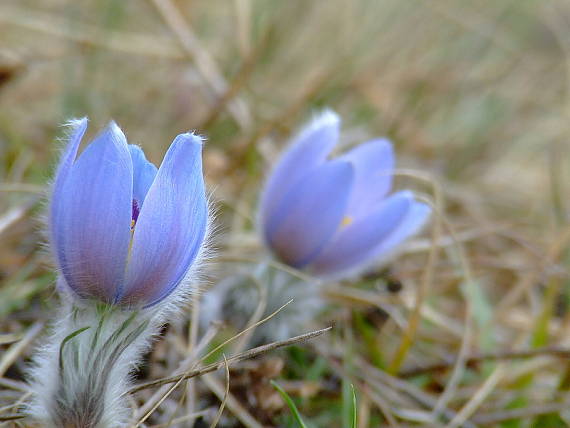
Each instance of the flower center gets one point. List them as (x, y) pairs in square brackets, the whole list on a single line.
[(135, 213), (346, 221), (134, 218)]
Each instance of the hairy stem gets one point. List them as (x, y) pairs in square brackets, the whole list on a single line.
[(82, 373)]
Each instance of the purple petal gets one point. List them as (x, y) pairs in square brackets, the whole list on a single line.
[(373, 162), (310, 214), (93, 216), (171, 226), (372, 238), (309, 149), (57, 198), (143, 176)]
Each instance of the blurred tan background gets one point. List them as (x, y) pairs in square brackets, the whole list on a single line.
[(474, 95)]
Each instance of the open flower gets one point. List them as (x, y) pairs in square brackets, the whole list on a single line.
[(335, 217), (122, 231)]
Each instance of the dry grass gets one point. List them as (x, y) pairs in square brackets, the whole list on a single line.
[(474, 95)]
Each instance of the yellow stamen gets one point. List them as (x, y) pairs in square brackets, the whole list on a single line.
[(346, 221), (133, 222)]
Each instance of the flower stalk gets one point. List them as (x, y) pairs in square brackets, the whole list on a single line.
[(243, 299), (83, 372)]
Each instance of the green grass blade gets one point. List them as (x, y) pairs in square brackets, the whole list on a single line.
[(64, 342), (354, 411), (290, 403)]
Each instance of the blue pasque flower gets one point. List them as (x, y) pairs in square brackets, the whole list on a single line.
[(122, 231), (335, 217)]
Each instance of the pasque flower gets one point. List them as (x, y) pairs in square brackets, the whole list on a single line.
[(121, 231), (125, 236), (335, 217)]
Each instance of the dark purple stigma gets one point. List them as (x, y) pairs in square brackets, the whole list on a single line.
[(136, 211)]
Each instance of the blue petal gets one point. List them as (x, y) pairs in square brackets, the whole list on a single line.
[(57, 205), (309, 149), (171, 226), (372, 238), (373, 162), (143, 176), (310, 214), (94, 215)]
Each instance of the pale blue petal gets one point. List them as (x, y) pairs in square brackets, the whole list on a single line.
[(143, 176), (373, 163), (310, 214), (171, 226), (58, 200), (95, 217), (416, 218), (372, 238), (308, 150)]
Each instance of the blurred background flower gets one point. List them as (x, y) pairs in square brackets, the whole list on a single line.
[(335, 217)]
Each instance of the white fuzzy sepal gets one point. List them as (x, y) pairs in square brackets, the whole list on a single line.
[(82, 373)]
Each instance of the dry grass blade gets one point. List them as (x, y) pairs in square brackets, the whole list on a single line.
[(554, 253), (157, 404), (184, 366), (243, 332), (204, 62), (425, 284), (7, 339), (22, 188), (14, 351), (16, 214), (15, 405), (232, 403), (480, 395), (236, 84), (192, 343), (182, 419), (7, 418), (138, 44), (13, 384), (255, 317), (363, 386), (240, 357), (554, 351), (225, 399), (525, 413), (459, 367)]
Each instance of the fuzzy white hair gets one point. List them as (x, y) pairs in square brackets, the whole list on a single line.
[(82, 370)]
